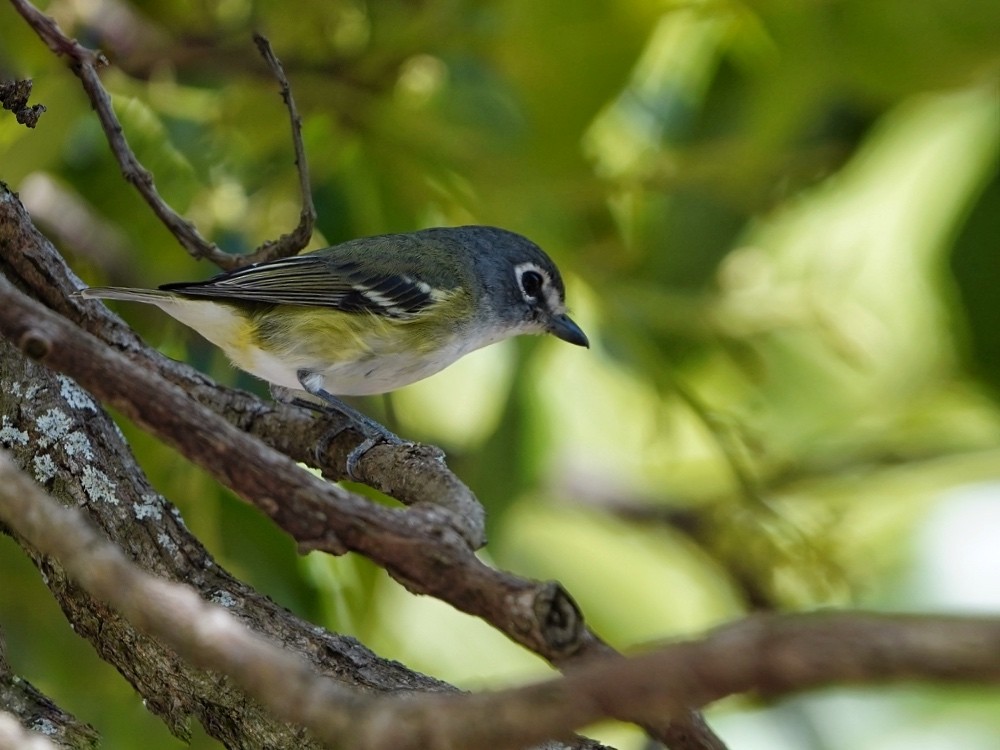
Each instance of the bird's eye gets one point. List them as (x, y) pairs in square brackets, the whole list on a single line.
[(531, 284)]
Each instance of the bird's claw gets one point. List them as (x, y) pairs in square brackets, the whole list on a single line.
[(382, 435)]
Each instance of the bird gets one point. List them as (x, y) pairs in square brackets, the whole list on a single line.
[(373, 314)]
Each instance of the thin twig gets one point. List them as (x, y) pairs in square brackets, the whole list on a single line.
[(293, 242), (85, 63)]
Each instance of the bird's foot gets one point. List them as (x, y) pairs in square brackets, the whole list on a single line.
[(373, 432), (376, 434)]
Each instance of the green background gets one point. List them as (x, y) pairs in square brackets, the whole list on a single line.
[(778, 222)]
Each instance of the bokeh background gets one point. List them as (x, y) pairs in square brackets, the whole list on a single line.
[(778, 221)]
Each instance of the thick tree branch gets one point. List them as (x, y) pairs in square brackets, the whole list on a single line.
[(64, 439), (769, 655)]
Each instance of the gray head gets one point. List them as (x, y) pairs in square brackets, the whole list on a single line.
[(523, 285)]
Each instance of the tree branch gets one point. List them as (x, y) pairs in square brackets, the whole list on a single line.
[(85, 63), (770, 655), (288, 244)]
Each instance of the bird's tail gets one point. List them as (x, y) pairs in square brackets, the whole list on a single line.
[(149, 296)]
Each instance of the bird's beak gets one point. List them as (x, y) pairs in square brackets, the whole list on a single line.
[(564, 328)]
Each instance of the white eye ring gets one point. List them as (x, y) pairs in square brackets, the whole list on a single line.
[(531, 280)]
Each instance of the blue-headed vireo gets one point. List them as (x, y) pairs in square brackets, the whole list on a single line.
[(372, 314)]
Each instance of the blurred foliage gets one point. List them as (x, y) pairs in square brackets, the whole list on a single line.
[(778, 222)]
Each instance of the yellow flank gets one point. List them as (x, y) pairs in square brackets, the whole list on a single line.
[(328, 336), (224, 326), (318, 334), (355, 353)]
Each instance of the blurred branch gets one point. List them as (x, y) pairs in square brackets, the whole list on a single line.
[(85, 63), (72, 223), (13, 736), (755, 556), (755, 499), (743, 544), (772, 655), (24, 708), (730, 446), (700, 525)]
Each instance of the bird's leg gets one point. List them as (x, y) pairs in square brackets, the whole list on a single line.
[(293, 397), (312, 383)]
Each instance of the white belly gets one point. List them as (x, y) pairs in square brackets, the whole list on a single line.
[(364, 378)]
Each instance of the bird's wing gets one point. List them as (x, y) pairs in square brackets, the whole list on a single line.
[(318, 281)]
